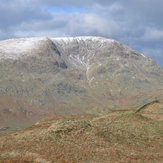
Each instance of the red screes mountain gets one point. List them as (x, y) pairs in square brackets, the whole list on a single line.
[(45, 76)]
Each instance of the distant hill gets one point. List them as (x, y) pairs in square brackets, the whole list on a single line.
[(63, 76)]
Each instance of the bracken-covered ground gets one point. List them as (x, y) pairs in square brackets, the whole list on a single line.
[(120, 136)]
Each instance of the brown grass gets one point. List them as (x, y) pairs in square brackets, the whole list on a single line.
[(115, 137)]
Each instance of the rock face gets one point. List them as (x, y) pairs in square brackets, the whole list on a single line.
[(43, 76)]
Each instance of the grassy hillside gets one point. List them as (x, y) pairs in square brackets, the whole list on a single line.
[(120, 136)]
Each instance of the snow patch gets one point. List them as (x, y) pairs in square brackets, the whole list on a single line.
[(16, 48), (143, 55), (82, 38)]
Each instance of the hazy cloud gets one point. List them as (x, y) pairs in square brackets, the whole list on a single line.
[(153, 35)]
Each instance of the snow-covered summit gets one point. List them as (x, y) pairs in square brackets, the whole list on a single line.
[(25, 47), (15, 48), (83, 38), (22, 47)]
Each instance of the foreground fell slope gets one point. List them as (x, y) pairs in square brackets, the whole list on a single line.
[(122, 136)]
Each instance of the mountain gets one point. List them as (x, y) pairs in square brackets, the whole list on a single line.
[(64, 76)]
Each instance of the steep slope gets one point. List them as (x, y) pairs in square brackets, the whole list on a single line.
[(45, 76)]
